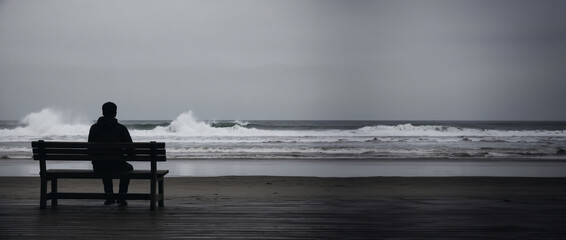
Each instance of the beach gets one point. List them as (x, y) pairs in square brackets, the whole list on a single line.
[(276, 207), (304, 180), (283, 119)]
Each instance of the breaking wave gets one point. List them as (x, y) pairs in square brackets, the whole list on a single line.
[(447, 131), (188, 137), (49, 123)]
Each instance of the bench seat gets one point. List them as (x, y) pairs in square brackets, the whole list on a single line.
[(90, 174)]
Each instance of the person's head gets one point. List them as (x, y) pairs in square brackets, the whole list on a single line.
[(109, 109)]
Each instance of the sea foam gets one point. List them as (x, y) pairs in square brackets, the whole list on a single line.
[(188, 137), (409, 130), (48, 122), (60, 125), (186, 124)]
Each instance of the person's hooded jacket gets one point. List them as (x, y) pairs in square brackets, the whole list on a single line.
[(107, 129)]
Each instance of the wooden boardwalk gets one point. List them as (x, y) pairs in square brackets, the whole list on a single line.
[(333, 219), (297, 208)]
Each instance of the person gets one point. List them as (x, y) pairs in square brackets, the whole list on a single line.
[(107, 129)]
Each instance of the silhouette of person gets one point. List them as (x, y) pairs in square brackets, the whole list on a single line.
[(107, 129)]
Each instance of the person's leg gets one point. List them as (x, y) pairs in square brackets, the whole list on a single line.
[(108, 188), (124, 184)]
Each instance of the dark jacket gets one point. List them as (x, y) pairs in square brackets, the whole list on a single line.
[(107, 129)]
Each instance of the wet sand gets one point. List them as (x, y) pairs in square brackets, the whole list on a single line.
[(417, 167), (298, 207)]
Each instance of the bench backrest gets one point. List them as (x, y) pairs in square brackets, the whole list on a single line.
[(86, 151)]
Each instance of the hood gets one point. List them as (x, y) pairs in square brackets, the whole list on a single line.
[(107, 121)]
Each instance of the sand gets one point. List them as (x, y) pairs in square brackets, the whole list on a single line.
[(417, 167), (300, 207)]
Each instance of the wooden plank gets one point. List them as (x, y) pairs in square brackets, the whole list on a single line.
[(89, 174), (70, 157), (85, 151), (128, 196), (49, 144), (511, 213), (300, 219), (77, 151)]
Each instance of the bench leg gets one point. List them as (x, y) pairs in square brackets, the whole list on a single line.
[(54, 192), (153, 194), (161, 193), (43, 193)]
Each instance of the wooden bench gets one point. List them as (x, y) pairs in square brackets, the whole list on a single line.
[(152, 152)]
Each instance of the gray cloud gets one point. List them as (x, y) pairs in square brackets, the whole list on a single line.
[(286, 59)]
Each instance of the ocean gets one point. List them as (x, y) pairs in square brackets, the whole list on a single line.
[(187, 137)]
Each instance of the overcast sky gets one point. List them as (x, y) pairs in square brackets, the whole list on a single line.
[(303, 59)]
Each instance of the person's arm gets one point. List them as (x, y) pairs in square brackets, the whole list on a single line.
[(91, 134), (126, 136), (92, 138)]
